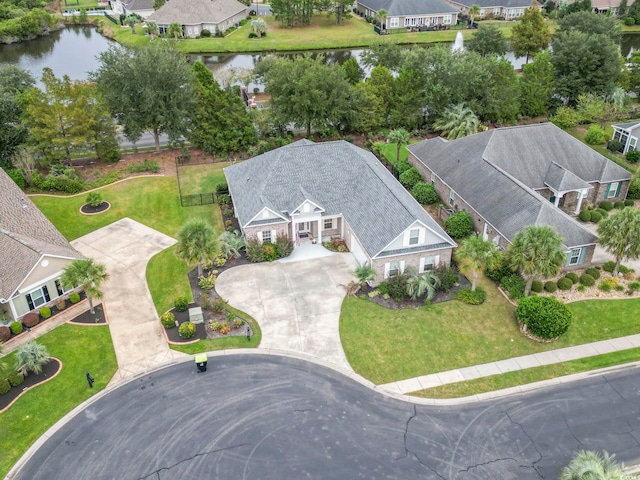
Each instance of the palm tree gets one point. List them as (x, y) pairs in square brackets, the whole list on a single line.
[(457, 121), (31, 357), (175, 29), (473, 11), (152, 28), (619, 234), (536, 251), (88, 275), (587, 465), (382, 16), (478, 254), (364, 273), (196, 243), (231, 244), (418, 284), (400, 137), (259, 27), (131, 21)]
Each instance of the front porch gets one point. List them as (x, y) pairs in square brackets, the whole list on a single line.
[(307, 232)]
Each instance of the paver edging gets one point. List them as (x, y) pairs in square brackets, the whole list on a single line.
[(96, 213), (36, 385), (106, 319)]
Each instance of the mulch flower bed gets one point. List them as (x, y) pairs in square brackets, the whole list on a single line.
[(88, 318), (87, 209), (49, 371)]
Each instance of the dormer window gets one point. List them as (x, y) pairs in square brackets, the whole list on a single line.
[(414, 236)]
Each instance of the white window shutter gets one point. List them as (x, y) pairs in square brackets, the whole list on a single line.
[(422, 259), (402, 266), (421, 236), (405, 241), (273, 236), (386, 270), (436, 261), (260, 237)]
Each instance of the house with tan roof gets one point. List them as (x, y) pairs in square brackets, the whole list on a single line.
[(197, 15), (314, 192), (33, 253)]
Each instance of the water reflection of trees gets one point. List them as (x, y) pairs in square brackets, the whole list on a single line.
[(35, 49)]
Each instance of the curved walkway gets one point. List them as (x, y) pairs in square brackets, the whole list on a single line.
[(125, 247), (297, 304)]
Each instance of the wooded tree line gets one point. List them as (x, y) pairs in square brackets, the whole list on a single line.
[(299, 12)]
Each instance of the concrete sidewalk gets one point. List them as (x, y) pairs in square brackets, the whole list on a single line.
[(512, 364)]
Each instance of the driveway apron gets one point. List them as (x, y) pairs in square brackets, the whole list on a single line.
[(125, 247), (297, 304)]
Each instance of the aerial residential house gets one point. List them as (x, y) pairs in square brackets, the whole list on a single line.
[(410, 13), (627, 134), (509, 9), (512, 177), (144, 8), (197, 15), (313, 192), (32, 253)]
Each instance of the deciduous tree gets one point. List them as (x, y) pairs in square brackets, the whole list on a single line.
[(13, 82), (531, 34), (619, 234), (488, 40), (352, 71), (536, 85)]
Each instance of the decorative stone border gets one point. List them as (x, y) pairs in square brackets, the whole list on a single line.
[(96, 213), (36, 385)]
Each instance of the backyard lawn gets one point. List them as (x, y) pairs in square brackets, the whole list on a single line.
[(201, 178), (80, 349), (386, 345)]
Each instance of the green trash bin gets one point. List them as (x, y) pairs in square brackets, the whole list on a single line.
[(201, 362)]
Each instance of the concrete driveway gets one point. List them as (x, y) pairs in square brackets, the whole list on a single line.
[(297, 304), (124, 248)]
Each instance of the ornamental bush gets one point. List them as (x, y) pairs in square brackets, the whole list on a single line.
[(615, 146), (31, 319), (585, 215), (16, 328), (94, 199), (595, 135), (181, 304), (587, 280), (537, 286), (629, 21), (5, 333), (609, 266), (425, 193), (514, 284), (466, 295), (410, 177), (545, 317), (168, 320), (459, 225), (74, 297), (402, 166), (566, 118), (618, 205), (270, 251), (187, 330), (447, 276), (606, 205), (603, 212), (254, 250), (499, 272), (595, 216), (573, 277), (550, 286), (15, 378), (594, 272), (397, 286), (45, 312), (633, 156), (5, 386), (565, 283)]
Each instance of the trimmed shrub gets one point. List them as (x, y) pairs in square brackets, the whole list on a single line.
[(595, 135), (466, 295), (402, 166), (609, 284), (45, 312), (550, 286), (514, 284), (205, 33), (573, 277), (629, 21), (207, 283), (397, 286), (222, 188), (5, 333), (585, 215), (270, 251), (187, 330), (16, 328), (254, 250), (615, 146), (181, 303), (618, 205), (633, 156), (634, 286), (31, 319), (168, 320), (409, 178), (537, 286), (74, 297), (565, 283), (5, 386), (595, 216), (284, 245), (594, 272), (609, 266), (15, 378), (603, 213), (459, 225), (587, 280), (606, 205), (425, 193), (545, 317), (629, 203), (566, 118), (624, 270), (224, 199)]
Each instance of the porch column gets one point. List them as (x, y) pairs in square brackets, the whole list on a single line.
[(320, 231), (580, 193), (13, 310), (557, 200)]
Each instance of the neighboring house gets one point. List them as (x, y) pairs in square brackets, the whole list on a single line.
[(335, 189), (32, 253), (512, 177), (144, 8), (198, 15), (509, 9), (605, 6), (627, 134), (410, 13)]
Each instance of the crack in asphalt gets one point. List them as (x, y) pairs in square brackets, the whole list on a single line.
[(304, 410), (629, 432), (156, 473), (534, 464), (477, 465), (564, 417), (613, 388), (406, 449)]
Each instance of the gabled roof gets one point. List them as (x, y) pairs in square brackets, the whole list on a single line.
[(137, 5), (627, 126), (409, 7), (25, 236), (466, 165), (194, 12), (495, 3), (341, 177), (559, 179)]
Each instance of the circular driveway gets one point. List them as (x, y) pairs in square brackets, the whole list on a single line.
[(268, 417)]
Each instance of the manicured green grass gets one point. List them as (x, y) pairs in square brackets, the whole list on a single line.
[(386, 345), (167, 279), (530, 375), (322, 34), (202, 178), (80, 349), (77, 4)]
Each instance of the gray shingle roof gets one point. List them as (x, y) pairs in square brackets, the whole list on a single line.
[(137, 5), (495, 3), (409, 7), (562, 180), (193, 12), (25, 235), (341, 177), (493, 191), (626, 126)]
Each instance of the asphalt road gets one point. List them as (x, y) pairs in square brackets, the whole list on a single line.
[(255, 417)]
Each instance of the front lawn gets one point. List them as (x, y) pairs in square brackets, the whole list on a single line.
[(386, 345), (80, 349)]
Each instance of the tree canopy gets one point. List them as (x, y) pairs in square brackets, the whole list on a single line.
[(13, 82), (147, 89), (591, 23), (89, 275), (488, 40), (196, 243), (536, 85), (619, 234), (478, 254), (531, 34)]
